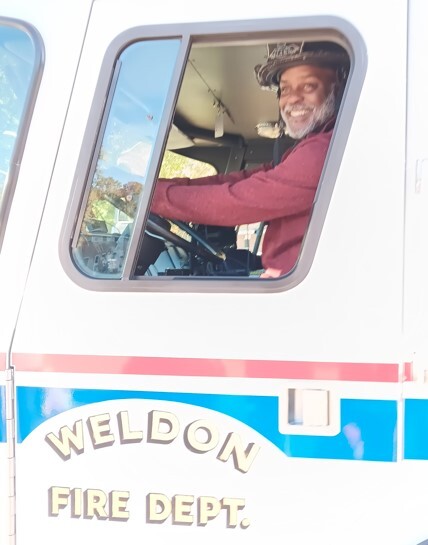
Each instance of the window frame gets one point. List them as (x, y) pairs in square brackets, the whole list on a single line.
[(269, 30), (25, 121)]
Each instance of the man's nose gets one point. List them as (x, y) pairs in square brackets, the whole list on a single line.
[(294, 97)]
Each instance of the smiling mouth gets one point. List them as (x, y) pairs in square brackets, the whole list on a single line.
[(298, 113)]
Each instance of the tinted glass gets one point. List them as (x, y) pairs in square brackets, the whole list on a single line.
[(17, 58), (143, 77)]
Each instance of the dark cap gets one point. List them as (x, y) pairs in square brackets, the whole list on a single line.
[(287, 55)]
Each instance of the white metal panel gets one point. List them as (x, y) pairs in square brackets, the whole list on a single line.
[(348, 308), (62, 30), (4, 466), (416, 271), (62, 42), (415, 390)]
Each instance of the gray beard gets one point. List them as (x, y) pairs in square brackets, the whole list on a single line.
[(320, 115)]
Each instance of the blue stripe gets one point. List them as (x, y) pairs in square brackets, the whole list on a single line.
[(2, 414), (367, 426), (416, 429)]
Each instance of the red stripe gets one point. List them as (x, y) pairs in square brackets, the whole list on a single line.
[(196, 367), (408, 371)]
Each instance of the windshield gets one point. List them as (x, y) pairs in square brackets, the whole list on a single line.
[(16, 67)]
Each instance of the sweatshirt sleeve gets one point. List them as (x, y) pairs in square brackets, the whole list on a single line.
[(248, 196)]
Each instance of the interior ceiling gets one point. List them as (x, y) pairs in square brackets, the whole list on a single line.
[(226, 73)]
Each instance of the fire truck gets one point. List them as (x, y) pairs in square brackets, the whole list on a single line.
[(154, 386)]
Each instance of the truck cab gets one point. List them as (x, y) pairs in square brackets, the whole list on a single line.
[(154, 383)]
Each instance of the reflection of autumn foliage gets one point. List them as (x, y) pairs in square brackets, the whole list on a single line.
[(179, 166), (124, 197)]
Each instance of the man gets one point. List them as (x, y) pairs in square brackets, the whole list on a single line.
[(309, 78)]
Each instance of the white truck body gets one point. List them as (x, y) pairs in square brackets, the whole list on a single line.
[(140, 412)]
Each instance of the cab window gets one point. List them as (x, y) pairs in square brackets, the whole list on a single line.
[(220, 121), (117, 183), (17, 63)]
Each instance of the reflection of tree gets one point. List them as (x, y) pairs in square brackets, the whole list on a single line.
[(175, 165), (108, 195), (9, 112), (10, 108)]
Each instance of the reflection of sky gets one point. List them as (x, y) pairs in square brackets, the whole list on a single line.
[(137, 107), (16, 65)]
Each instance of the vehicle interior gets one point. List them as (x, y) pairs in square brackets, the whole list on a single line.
[(226, 120), (223, 122)]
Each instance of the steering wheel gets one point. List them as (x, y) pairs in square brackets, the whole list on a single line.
[(161, 227)]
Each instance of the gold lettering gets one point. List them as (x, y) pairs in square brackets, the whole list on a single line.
[(242, 459), (194, 443), (125, 433), (232, 506), (76, 502), (95, 501), (158, 508), (181, 506), (208, 509), (68, 439), (118, 501), (57, 499), (99, 430), (158, 419)]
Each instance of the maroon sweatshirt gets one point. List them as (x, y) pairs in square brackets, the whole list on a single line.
[(282, 195)]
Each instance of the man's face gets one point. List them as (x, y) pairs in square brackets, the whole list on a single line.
[(306, 98)]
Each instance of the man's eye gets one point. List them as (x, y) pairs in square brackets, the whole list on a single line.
[(309, 87), (285, 91)]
